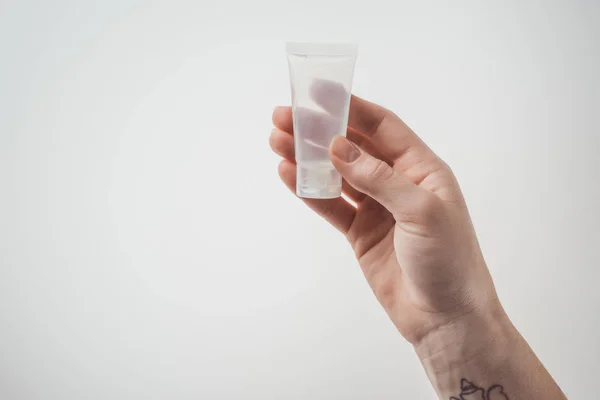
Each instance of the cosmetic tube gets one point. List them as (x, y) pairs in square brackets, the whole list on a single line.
[(321, 83)]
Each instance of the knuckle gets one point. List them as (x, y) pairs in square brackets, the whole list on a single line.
[(377, 170), (281, 144), (274, 141)]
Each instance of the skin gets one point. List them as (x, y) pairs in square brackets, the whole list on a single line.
[(413, 238), (411, 231)]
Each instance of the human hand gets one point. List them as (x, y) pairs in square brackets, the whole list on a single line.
[(411, 231), (414, 240)]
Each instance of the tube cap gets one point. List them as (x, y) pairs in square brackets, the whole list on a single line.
[(318, 183)]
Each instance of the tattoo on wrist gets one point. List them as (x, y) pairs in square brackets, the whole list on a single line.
[(470, 391)]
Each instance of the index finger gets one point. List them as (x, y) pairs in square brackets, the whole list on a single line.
[(388, 133), (283, 120)]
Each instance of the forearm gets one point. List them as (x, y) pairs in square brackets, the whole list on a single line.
[(483, 357)]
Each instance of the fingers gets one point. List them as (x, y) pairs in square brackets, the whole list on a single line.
[(388, 133), (282, 143), (366, 117), (377, 179), (338, 212), (282, 119), (315, 123), (363, 227), (316, 127)]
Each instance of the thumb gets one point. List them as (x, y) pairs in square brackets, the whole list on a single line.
[(374, 177)]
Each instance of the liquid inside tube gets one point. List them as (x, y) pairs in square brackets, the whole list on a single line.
[(321, 82)]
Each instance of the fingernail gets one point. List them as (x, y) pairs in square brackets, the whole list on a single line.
[(345, 150)]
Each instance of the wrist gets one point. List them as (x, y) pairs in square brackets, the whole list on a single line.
[(480, 340)]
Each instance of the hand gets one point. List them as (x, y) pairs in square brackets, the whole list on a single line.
[(413, 238), (411, 231)]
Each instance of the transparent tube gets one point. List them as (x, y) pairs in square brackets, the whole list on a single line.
[(321, 83)]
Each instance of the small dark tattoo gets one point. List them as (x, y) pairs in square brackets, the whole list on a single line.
[(470, 391)]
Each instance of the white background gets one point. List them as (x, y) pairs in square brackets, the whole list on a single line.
[(149, 251)]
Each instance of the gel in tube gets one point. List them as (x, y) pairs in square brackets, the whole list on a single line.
[(321, 83)]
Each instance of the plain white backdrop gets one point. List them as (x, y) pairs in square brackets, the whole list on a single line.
[(149, 251)]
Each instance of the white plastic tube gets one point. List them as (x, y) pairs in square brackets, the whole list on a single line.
[(321, 83)]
